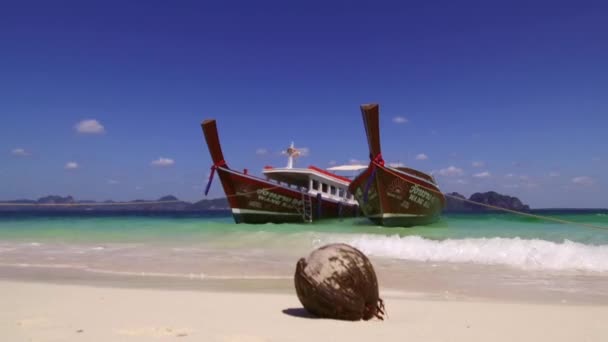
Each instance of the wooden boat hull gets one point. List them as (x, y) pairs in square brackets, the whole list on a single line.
[(396, 201), (255, 200), (388, 196)]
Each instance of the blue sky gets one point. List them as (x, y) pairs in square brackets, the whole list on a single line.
[(505, 96)]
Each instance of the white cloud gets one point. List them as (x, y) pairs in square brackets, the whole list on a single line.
[(89, 126), (396, 164), (478, 164), (596, 159), (509, 175), (451, 171), (112, 181), (553, 174), (461, 181), (332, 162), (422, 156), (163, 162), (261, 151), (524, 178), (583, 180), (484, 174), (354, 161), (19, 152), (400, 120), (71, 165)]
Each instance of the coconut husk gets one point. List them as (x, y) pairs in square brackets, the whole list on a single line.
[(338, 281)]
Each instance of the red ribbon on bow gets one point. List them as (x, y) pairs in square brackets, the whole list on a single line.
[(378, 159), (373, 164)]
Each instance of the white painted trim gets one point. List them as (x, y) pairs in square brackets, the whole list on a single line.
[(308, 171), (347, 168), (261, 212), (332, 198), (390, 215)]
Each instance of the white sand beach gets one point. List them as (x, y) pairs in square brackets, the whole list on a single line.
[(58, 312)]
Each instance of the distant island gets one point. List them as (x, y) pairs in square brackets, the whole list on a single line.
[(68, 203), (456, 202), (168, 204), (171, 203)]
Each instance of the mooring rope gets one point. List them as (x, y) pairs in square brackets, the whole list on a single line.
[(490, 206), (375, 163), (213, 168)]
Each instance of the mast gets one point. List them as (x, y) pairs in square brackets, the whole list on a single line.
[(292, 153), (370, 113)]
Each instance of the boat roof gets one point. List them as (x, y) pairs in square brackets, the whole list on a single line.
[(347, 168), (301, 176)]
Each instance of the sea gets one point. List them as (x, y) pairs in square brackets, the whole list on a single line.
[(461, 256)]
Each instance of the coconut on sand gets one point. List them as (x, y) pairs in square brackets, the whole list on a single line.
[(338, 281)]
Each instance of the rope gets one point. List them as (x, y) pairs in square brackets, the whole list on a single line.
[(213, 168), (377, 160), (542, 217)]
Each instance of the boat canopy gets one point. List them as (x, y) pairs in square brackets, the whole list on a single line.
[(347, 168), (302, 177), (314, 180), (297, 177)]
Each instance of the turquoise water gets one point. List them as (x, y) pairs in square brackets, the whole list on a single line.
[(466, 238), (158, 229)]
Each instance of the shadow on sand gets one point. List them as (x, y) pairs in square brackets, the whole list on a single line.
[(299, 312)]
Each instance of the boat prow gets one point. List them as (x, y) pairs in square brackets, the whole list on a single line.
[(391, 196)]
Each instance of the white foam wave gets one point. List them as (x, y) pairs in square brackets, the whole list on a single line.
[(516, 252)]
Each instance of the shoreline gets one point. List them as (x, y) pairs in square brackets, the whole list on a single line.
[(51, 312), (410, 285)]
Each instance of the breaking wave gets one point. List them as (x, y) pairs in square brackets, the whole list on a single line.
[(515, 252)]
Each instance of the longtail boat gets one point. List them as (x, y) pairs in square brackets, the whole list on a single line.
[(393, 196), (287, 194)]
